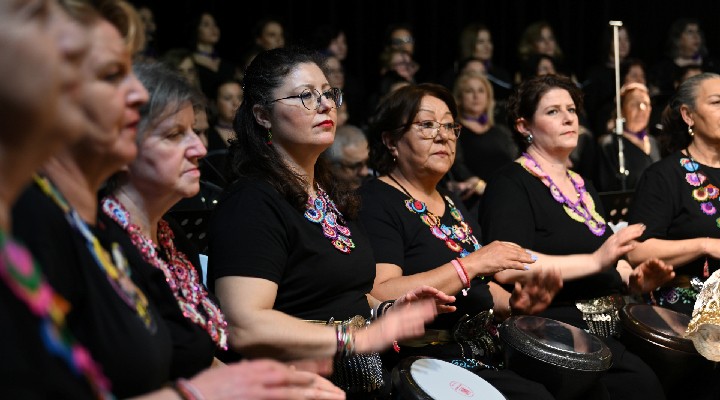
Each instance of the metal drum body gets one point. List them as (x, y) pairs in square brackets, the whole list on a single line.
[(564, 358), (656, 335), (424, 378)]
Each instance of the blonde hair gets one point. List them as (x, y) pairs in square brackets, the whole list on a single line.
[(460, 84), (121, 14)]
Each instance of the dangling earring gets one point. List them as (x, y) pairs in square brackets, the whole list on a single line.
[(269, 137), (529, 138), (690, 131)]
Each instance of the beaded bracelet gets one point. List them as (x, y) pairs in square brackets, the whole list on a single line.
[(462, 273), (186, 390), (345, 342)]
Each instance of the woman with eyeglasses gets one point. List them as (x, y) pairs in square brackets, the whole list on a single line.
[(421, 236), (286, 255)]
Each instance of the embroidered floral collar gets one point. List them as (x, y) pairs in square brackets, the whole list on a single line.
[(582, 210)]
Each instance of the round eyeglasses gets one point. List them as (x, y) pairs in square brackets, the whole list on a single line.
[(311, 98), (430, 129)]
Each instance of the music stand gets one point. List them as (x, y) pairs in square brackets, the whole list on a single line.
[(617, 205)]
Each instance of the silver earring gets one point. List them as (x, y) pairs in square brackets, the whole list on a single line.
[(529, 138), (690, 131)]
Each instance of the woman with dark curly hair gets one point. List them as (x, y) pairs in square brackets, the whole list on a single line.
[(285, 247), (539, 203)]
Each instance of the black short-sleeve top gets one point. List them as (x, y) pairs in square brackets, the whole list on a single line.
[(193, 349), (255, 232), (519, 208), (135, 358), (664, 202), (400, 237)]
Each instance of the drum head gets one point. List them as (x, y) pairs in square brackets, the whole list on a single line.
[(658, 325), (556, 342), (437, 379)]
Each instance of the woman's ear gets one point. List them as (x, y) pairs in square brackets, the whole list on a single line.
[(522, 126), (390, 143), (262, 116), (686, 115)]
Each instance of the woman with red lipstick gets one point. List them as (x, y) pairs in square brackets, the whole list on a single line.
[(110, 307), (539, 203), (284, 243)]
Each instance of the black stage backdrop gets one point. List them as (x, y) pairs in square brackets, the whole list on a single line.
[(578, 25)]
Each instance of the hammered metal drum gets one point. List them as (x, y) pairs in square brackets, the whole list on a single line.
[(564, 358), (423, 378), (656, 335)]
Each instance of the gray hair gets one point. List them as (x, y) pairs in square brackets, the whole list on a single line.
[(345, 136), (674, 127)]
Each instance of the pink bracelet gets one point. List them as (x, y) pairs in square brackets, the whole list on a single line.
[(462, 273), (186, 390)]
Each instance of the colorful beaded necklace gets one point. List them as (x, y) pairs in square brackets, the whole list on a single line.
[(702, 194), (22, 275), (582, 210), (115, 267), (322, 210), (451, 235), (179, 273)]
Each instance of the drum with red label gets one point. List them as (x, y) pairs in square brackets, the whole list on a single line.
[(422, 378)]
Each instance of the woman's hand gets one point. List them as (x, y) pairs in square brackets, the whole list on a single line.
[(468, 188), (263, 380), (495, 257), (617, 245), (649, 275), (537, 292), (405, 321), (426, 292)]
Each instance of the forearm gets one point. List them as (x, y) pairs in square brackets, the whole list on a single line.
[(271, 333), (571, 267), (674, 252), (444, 278)]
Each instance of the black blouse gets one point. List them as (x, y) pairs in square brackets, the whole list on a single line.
[(255, 232), (399, 237), (135, 359), (519, 208)]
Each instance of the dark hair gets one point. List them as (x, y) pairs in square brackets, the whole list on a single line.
[(249, 154), (524, 100), (260, 25), (529, 66), (675, 130), (607, 41), (468, 38), (675, 32), (394, 116), (323, 35), (627, 64), (530, 36)]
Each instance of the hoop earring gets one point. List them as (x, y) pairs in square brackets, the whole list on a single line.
[(269, 138), (690, 131), (529, 138)]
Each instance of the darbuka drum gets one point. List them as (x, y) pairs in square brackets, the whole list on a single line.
[(656, 335), (422, 378), (564, 358)]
